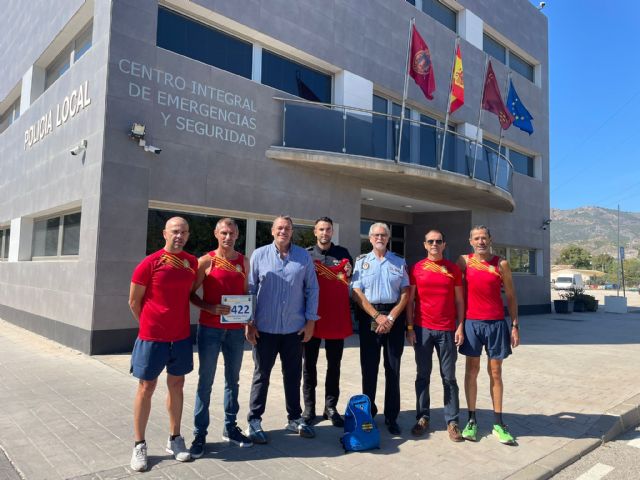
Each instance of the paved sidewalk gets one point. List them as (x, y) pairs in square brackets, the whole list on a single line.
[(66, 415)]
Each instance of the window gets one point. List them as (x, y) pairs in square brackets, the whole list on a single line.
[(5, 235), (508, 57), (201, 227), (295, 78), (302, 235), (396, 242), (440, 12), (522, 163), (206, 44), (57, 236), (10, 115), (521, 260), (69, 55)]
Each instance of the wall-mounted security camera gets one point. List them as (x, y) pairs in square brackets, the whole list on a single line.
[(152, 149), (78, 149), (541, 5), (545, 224)]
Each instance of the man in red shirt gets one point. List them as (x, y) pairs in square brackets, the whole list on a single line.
[(220, 272), (435, 318), (159, 300), (485, 326)]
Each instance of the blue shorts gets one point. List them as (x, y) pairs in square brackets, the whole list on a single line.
[(493, 335), (149, 358)]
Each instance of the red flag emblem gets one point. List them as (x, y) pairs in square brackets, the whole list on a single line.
[(492, 100), (420, 65)]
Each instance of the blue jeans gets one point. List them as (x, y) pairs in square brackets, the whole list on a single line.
[(444, 344), (210, 342)]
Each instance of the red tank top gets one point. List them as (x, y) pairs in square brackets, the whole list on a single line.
[(333, 306), (484, 282), (225, 277)]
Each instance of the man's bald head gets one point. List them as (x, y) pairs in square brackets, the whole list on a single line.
[(176, 234)]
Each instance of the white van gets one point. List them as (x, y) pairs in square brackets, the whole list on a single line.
[(568, 282)]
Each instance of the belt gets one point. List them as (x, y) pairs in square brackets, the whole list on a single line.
[(383, 306)]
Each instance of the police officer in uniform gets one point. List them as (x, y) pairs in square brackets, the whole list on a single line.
[(381, 290)]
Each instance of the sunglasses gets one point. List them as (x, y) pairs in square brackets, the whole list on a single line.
[(437, 242)]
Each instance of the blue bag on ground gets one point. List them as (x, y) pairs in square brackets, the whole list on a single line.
[(360, 431)]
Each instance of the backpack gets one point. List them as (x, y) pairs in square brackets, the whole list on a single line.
[(360, 431)]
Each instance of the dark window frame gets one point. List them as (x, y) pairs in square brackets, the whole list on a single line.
[(59, 236)]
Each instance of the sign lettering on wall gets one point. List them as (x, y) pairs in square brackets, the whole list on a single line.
[(70, 106), (191, 106)]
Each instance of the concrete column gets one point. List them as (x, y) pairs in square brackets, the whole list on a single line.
[(353, 90), (32, 87), (21, 239), (250, 236), (470, 27), (256, 63)]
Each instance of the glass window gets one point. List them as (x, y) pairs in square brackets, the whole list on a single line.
[(522, 163), (295, 78), (201, 42), (440, 12), (5, 235), (493, 48), (71, 53), (45, 237), (82, 43), (71, 234), (521, 66), (302, 234), (522, 260), (499, 251), (201, 227), (381, 129), (10, 115), (494, 146)]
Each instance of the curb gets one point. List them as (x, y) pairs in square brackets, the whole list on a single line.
[(610, 425)]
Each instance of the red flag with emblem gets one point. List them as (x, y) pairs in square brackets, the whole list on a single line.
[(420, 65), (492, 100)]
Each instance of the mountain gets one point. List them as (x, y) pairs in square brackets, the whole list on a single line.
[(595, 229)]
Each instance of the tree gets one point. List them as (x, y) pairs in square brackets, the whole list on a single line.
[(576, 256), (602, 262)]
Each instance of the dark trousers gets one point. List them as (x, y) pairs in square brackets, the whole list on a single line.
[(443, 342), (333, 350), (269, 345), (392, 346)]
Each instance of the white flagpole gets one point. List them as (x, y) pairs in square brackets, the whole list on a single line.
[(475, 153), (406, 86), (506, 88), (446, 117)]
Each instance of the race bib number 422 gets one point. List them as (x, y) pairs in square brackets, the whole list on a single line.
[(241, 308)]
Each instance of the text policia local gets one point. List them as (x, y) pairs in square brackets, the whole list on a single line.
[(70, 106)]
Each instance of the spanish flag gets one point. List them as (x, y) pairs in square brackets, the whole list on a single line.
[(456, 98)]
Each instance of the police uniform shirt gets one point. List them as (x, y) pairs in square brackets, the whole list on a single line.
[(330, 257), (381, 281)]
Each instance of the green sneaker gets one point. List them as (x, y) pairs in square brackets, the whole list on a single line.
[(470, 432), (503, 434)]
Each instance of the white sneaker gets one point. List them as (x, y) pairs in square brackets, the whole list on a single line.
[(139, 458), (178, 449)]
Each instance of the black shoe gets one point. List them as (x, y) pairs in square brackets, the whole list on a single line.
[(332, 414), (309, 416), (392, 426), (197, 446)]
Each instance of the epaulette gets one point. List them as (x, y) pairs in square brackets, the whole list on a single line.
[(361, 256)]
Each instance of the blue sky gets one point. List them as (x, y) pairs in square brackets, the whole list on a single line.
[(594, 75)]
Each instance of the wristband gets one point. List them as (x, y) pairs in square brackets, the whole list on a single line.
[(376, 315), (409, 328), (516, 326)]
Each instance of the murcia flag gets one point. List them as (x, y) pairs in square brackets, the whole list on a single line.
[(492, 100), (456, 99), (420, 65)]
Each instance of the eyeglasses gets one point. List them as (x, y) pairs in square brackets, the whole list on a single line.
[(437, 242), (382, 235)]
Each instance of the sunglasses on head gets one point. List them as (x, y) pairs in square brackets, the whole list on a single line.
[(437, 242)]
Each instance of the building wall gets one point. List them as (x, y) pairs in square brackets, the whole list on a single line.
[(55, 298)]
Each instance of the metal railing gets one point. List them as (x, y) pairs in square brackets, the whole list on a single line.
[(354, 131)]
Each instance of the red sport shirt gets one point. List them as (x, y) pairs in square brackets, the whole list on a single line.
[(226, 277), (484, 284), (435, 299), (168, 278)]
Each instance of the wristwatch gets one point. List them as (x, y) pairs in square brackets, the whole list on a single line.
[(516, 326), (390, 318)]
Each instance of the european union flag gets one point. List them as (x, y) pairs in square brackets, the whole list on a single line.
[(522, 117)]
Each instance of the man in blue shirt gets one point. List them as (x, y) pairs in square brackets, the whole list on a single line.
[(380, 285), (283, 278)]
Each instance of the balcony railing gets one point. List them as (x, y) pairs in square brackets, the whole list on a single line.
[(353, 131)]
